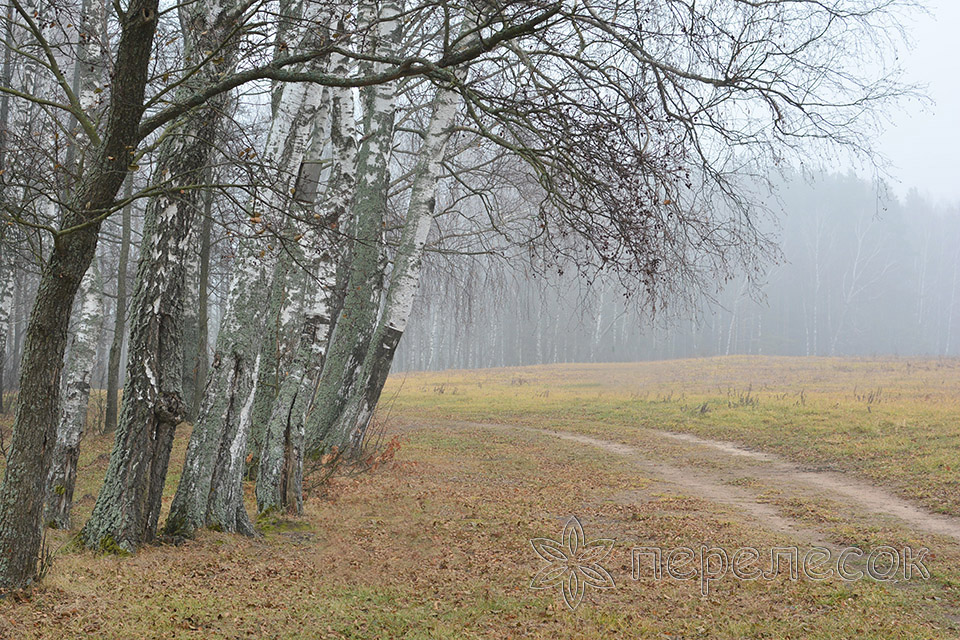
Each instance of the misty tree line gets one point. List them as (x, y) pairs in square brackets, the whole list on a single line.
[(879, 273), (231, 202), (860, 272)]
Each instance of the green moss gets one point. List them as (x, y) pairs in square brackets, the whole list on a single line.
[(176, 527), (272, 521), (110, 546)]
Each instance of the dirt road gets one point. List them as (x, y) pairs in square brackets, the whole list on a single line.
[(728, 474)]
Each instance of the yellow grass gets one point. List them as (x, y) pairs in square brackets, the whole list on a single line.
[(436, 543), (895, 421)]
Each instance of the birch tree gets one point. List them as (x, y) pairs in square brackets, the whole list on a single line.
[(405, 275), (351, 334), (6, 314), (120, 316), (280, 467), (128, 506), (280, 454), (89, 75), (210, 492), (76, 395)]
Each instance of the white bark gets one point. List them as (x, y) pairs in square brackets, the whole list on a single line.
[(91, 58), (80, 360), (6, 312), (280, 469), (407, 268), (210, 491), (128, 506), (357, 318)]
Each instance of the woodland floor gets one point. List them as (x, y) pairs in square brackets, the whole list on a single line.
[(725, 452)]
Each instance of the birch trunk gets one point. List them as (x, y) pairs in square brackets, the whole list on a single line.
[(283, 309), (356, 320), (120, 319), (76, 394), (191, 326), (203, 313), (280, 470), (6, 274), (280, 457), (294, 277), (128, 507), (405, 277), (210, 492), (6, 315), (228, 395)]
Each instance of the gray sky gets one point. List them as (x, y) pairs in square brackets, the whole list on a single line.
[(923, 142)]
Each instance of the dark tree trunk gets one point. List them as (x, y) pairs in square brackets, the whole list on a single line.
[(34, 428)]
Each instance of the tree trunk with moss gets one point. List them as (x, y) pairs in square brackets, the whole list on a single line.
[(128, 507), (404, 277), (280, 457), (227, 403), (283, 307), (210, 493), (279, 474), (357, 317)]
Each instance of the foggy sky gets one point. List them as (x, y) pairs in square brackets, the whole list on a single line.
[(923, 141)]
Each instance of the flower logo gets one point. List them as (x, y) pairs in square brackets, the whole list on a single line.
[(574, 563)]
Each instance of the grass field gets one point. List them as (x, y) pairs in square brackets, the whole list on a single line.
[(436, 544), (895, 421)]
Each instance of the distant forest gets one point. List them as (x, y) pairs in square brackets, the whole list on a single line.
[(857, 271)]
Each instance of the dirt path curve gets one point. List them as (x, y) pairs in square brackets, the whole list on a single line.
[(702, 485), (730, 462), (859, 492)]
